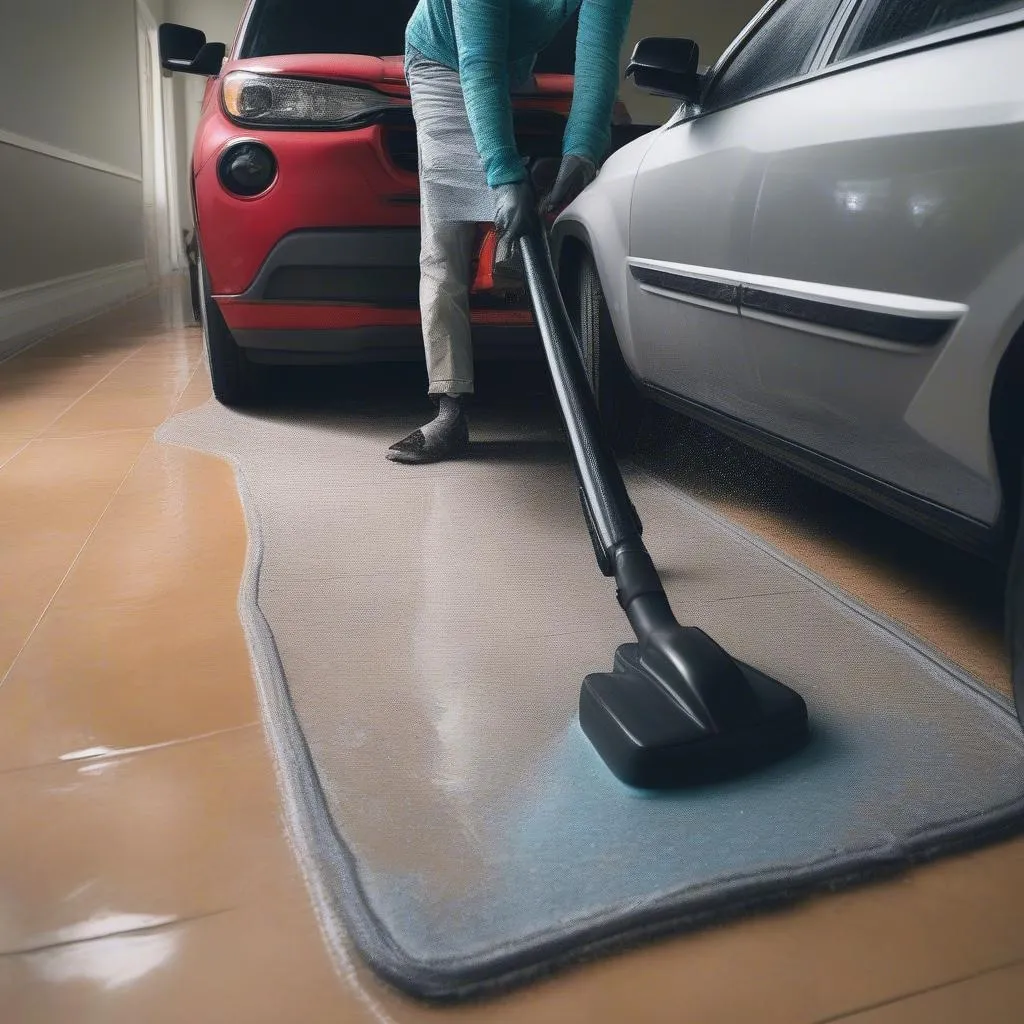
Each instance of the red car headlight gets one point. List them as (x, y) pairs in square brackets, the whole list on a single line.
[(271, 101)]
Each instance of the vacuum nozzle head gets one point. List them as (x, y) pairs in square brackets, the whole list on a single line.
[(644, 721)]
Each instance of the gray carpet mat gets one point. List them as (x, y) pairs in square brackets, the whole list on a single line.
[(419, 636)]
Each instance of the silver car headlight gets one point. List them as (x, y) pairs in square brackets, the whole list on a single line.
[(270, 101)]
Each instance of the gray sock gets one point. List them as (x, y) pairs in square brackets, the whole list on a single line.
[(448, 415)]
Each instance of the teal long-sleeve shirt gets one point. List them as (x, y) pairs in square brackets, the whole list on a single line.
[(493, 44)]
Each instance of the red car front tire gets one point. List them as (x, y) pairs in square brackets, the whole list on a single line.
[(236, 381)]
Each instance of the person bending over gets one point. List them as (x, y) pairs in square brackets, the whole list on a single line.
[(463, 60)]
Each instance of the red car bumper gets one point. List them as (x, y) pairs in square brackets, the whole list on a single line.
[(325, 262)]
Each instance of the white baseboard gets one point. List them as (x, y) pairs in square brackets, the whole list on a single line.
[(37, 310)]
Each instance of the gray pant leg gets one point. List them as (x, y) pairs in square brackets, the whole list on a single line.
[(446, 252), (453, 197)]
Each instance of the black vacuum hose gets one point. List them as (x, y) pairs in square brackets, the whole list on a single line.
[(608, 506)]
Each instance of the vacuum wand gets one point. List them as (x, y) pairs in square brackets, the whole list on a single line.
[(614, 525), (607, 504), (676, 708)]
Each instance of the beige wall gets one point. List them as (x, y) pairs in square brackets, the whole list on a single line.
[(712, 23), (217, 18), (73, 70)]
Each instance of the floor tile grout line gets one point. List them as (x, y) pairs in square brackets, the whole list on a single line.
[(200, 365), (89, 391), (41, 342), (188, 384), (90, 434), (134, 352), (75, 561), (16, 453), (127, 752), (38, 435), (91, 534), (169, 922), (850, 1015)]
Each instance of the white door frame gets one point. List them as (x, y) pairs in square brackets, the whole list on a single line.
[(162, 217)]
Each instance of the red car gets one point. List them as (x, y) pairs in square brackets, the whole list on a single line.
[(305, 189)]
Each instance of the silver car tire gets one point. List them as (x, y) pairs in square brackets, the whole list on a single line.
[(619, 402)]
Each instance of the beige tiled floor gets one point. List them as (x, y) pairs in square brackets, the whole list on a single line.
[(144, 871)]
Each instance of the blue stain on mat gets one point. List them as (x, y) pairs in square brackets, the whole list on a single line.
[(575, 842)]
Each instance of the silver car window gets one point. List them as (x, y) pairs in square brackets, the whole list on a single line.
[(777, 52), (886, 22)]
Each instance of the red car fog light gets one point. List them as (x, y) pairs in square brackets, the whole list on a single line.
[(247, 169)]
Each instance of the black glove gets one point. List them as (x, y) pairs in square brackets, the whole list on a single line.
[(515, 210), (575, 174)]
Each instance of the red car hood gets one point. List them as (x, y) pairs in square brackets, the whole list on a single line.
[(385, 73)]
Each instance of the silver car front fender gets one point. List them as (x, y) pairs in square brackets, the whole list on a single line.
[(599, 220)]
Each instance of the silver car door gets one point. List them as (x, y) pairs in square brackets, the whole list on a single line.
[(891, 194), (692, 211)]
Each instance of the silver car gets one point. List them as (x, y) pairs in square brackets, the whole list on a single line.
[(822, 253)]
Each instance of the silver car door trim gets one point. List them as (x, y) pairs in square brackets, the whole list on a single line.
[(693, 289), (836, 295), (839, 334), (844, 322), (742, 36), (878, 319), (686, 270), (830, 40), (689, 300), (814, 54)]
